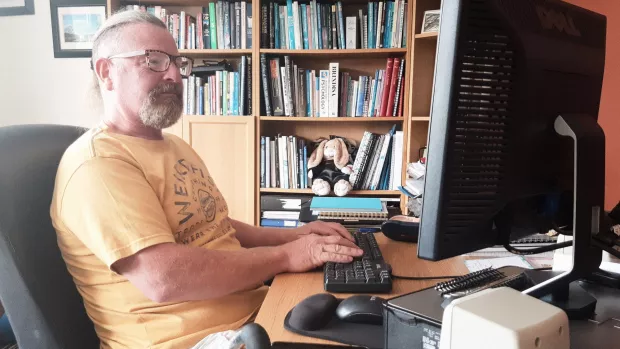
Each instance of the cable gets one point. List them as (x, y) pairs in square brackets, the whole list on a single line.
[(537, 250), (424, 277), (560, 230)]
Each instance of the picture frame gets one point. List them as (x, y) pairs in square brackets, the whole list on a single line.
[(431, 20), (73, 27), (16, 7)]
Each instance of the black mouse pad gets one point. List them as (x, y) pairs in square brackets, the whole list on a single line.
[(364, 335)]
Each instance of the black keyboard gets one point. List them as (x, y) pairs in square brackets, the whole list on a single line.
[(366, 274)]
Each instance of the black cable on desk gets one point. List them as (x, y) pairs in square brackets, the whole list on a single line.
[(424, 277), (529, 251)]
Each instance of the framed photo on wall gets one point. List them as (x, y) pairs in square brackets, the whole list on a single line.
[(74, 26), (430, 23), (16, 7)]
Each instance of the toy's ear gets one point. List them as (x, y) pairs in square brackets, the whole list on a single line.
[(317, 155), (341, 159)]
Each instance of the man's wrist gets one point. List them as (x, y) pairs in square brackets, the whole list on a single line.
[(282, 258)]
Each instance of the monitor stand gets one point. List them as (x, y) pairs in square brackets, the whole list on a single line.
[(560, 287)]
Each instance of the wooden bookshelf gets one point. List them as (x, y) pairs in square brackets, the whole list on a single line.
[(353, 192), (366, 53), (420, 118), (216, 53), (427, 35), (345, 119), (206, 133)]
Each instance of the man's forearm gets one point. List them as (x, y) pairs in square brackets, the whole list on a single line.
[(251, 236), (186, 273)]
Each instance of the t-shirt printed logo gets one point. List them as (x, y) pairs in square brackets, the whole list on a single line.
[(207, 204), (191, 179)]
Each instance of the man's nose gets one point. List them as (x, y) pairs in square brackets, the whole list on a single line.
[(173, 74)]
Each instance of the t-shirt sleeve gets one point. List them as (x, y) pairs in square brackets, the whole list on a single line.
[(111, 207)]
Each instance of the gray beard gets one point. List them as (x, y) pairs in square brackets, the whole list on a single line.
[(162, 113)]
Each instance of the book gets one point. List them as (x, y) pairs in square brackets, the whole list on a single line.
[(323, 203)]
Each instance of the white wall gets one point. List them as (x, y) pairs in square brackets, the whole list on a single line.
[(35, 87)]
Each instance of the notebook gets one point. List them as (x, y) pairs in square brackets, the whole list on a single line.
[(346, 204)]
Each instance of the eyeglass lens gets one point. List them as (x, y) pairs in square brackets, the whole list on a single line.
[(160, 62)]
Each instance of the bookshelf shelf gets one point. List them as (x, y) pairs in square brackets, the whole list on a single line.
[(215, 53), (366, 53), (420, 118), (180, 3), (433, 35), (331, 119), (351, 193)]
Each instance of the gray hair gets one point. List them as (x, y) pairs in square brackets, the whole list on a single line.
[(109, 34)]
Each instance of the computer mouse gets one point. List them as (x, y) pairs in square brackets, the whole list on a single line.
[(364, 309), (314, 312), (402, 228)]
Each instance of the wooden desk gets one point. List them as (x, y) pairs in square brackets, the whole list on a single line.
[(287, 290)]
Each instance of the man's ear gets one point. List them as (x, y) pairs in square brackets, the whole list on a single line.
[(103, 71)]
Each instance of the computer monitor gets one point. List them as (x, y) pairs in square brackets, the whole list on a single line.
[(514, 146)]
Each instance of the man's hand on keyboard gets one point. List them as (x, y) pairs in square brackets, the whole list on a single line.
[(325, 229), (311, 251)]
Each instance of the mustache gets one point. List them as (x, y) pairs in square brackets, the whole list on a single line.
[(167, 88)]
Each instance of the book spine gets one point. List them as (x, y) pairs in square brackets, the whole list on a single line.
[(276, 26), (351, 33), (397, 95), (243, 88), (272, 24), (286, 92), (249, 25), (386, 86), (248, 70), (219, 15), (290, 24), (341, 36), (244, 22), (265, 80), (333, 89), (324, 95), (238, 21), (264, 25), (304, 26), (392, 89), (213, 27), (206, 29), (276, 87), (262, 162)]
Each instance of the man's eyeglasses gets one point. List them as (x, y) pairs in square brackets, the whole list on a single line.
[(159, 61)]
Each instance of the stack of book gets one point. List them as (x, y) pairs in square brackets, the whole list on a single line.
[(282, 210), (221, 25), (378, 163), (352, 212), (219, 92), (289, 90), (284, 162), (315, 25)]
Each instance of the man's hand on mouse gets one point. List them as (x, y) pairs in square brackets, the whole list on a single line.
[(324, 229), (311, 251)]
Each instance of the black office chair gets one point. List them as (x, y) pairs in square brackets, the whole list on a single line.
[(38, 293)]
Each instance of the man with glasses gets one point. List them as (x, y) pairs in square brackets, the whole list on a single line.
[(142, 227)]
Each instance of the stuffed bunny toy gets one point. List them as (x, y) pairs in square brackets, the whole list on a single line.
[(329, 167)]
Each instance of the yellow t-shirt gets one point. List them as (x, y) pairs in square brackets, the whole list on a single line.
[(117, 194)]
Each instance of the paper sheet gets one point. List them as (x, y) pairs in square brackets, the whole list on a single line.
[(479, 264)]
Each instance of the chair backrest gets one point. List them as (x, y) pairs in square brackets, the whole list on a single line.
[(38, 293)]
